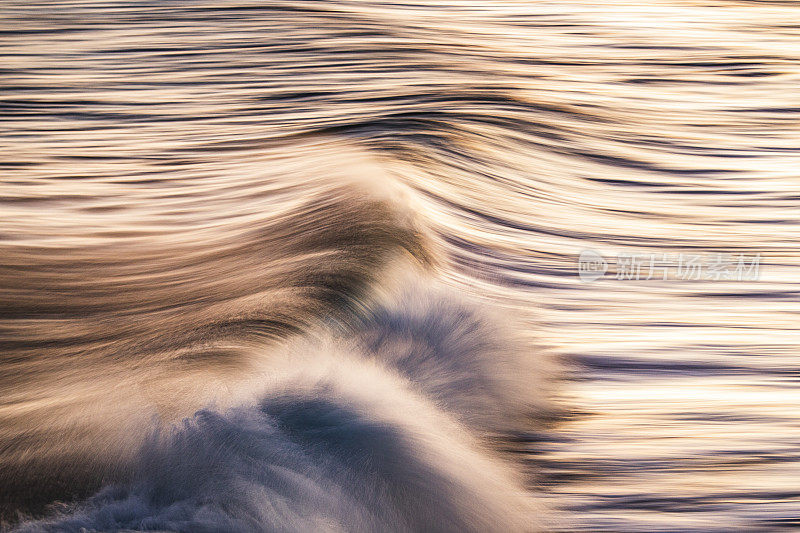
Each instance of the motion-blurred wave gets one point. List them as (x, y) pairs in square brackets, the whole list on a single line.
[(338, 390), (261, 213)]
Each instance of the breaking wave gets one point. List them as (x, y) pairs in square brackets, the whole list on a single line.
[(298, 370)]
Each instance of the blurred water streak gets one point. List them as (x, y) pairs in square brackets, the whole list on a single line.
[(525, 132)]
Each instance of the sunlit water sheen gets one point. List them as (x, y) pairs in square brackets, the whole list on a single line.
[(519, 133)]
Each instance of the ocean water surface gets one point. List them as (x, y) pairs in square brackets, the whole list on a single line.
[(350, 231)]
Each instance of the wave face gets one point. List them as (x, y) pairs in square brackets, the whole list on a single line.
[(277, 265), (279, 359)]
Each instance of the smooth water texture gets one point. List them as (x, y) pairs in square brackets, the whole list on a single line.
[(213, 176)]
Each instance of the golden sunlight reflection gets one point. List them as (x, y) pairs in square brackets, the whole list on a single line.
[(187, 183)]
